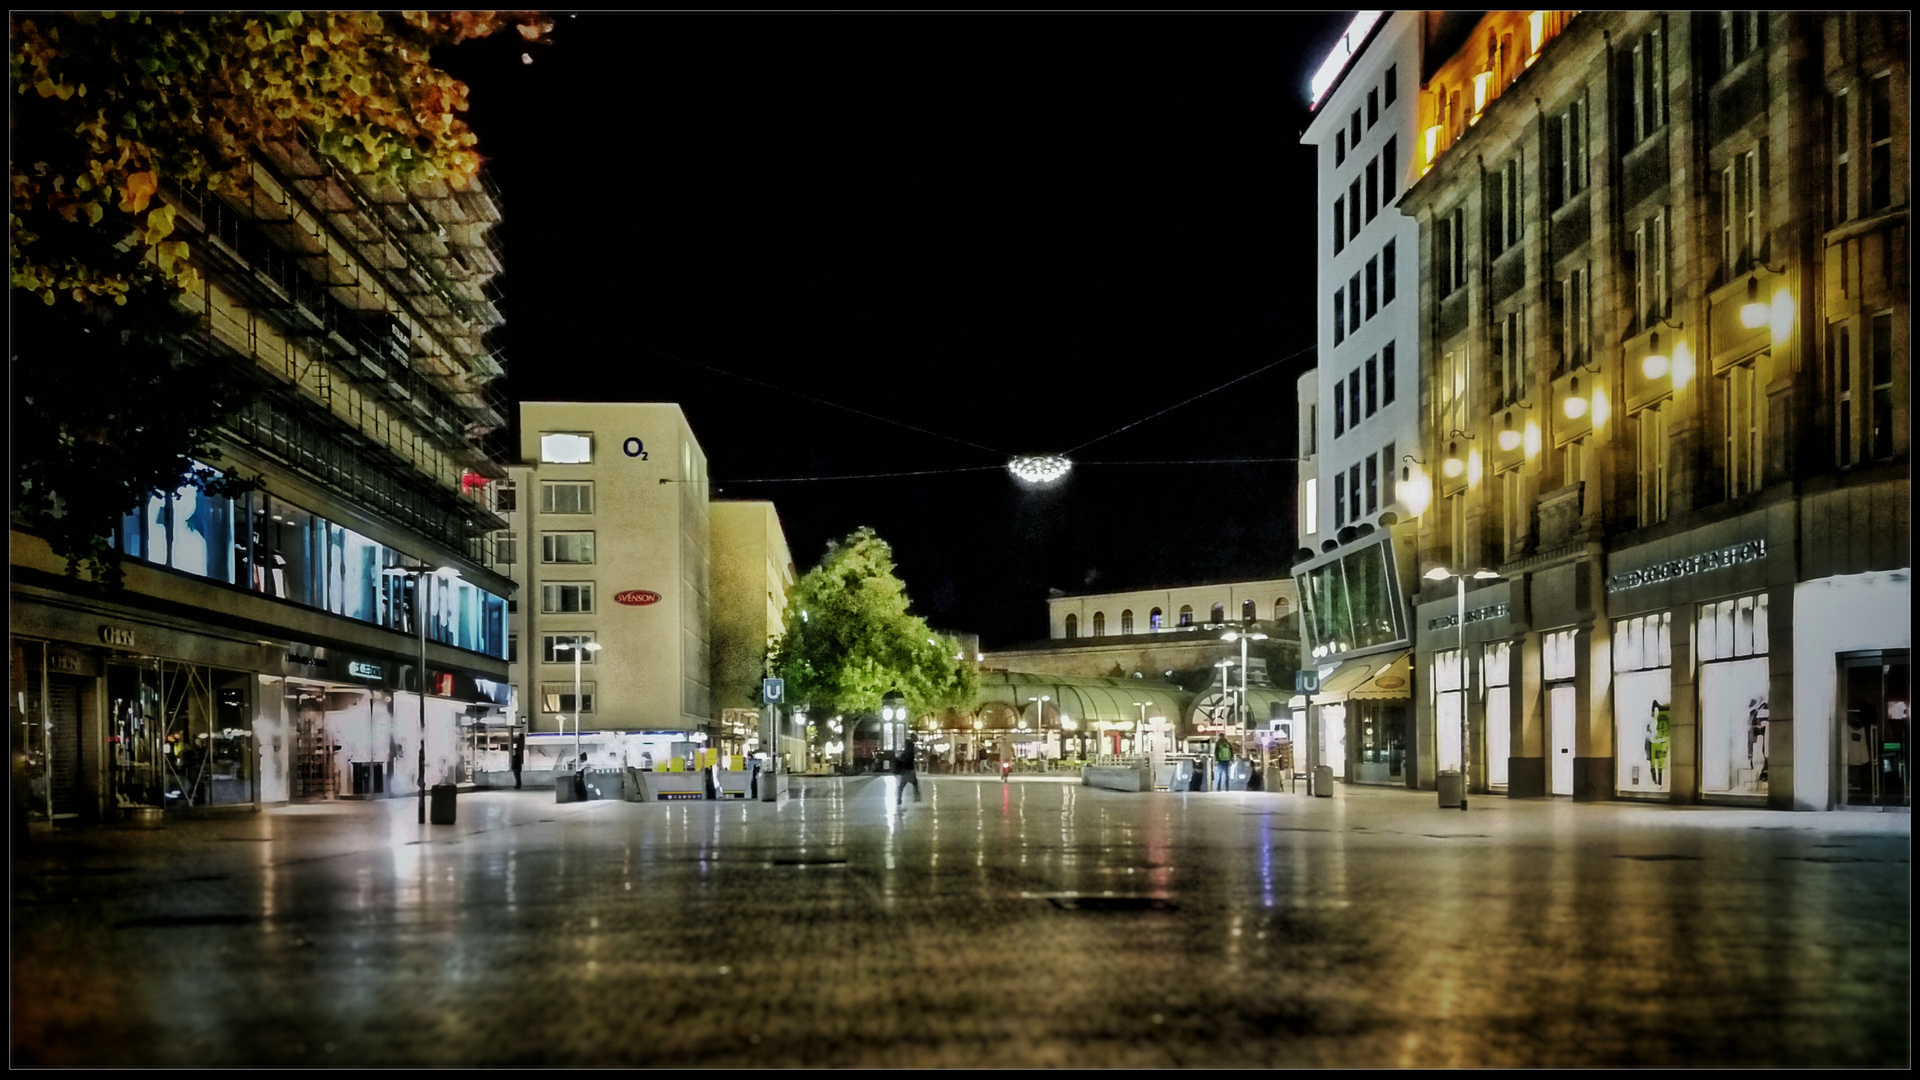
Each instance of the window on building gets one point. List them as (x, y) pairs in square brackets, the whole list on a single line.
[(1310, 438), (566, 497), (1373, 484), (1880, 143), (1373, 189), (1840, 348), (506, 548), (1511, 365), (566, 598), (1457, 527), (1652, 435), (1567, 152), (1740, 37), (1186, 614), (1386, 274), (1880, 443), (1742, 414), (1353, 302), (504, 496), (1310, 507), (1389, 88), (1373, 286), (1247, 611), (513, 648), (1504, 199), (1648, 75), (566, 448), (1373, 107), (1386, 375), (1126, 621), (1453, 251), (1353, 395), (1514, 512), (566, 547), (1843, 201), (1353, 494), (1339, 225), (1372, 383), (1450, 396), (1353, 208), (1388, 463), (1339, 412), (1339, 499), (1576, 458), (1353, 130), (559, 648), (1339, 316), (1389, 170), (1742, 195), (1218, 614), (1153, 620), (1574, 316), (1339, 148), (558, 697), (1099, 624), (1073, 626)]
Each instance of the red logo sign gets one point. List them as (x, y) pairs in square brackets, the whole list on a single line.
[(637, 597)]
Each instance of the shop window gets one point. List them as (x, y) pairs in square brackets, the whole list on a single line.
[(1730, 641), (566, 498), (560, 648), (1558, 658), (1730, 629), (1186, 614), (558, 698), (1642, 701), (566, 598), (566, 547), (566, 448), (1449, 676)]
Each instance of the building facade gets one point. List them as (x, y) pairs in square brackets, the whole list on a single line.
[(614, 546), (752, 573), (1663, 317), (269, 646)]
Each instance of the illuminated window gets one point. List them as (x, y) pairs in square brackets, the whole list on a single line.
[(559, 648), (1153, 620), (566, 547), (1186, 614), (566, 448), (558, 697)]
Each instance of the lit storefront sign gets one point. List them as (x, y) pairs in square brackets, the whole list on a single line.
[(1491, 611), (637, 597), (361, 669), (1719, 559)]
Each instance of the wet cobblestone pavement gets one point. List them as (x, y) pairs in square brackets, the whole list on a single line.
[(1033, 923)]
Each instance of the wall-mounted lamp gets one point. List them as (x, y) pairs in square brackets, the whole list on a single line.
[(1509, 438), (1753, 313), (1454, 464), (1407, 462), (1575, 406)]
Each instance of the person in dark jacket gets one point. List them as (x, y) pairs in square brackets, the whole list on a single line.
[(908, 769)]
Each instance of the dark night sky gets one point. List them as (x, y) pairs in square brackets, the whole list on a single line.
[(1016, 233)]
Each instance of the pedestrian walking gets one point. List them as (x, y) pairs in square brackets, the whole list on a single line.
[(516, 756), (909, 769)]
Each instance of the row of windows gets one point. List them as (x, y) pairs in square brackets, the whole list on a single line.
[(1381, 279), (556, 497), (1381, 177), (1378, 386), (1360, 486), (1155, 619), (1378, 97)]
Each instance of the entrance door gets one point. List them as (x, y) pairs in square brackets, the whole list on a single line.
[(1561, 702), (1875, 751)]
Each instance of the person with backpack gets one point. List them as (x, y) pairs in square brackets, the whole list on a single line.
[(1222, 760)]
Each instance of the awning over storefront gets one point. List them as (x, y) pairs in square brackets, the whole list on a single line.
[(1377, 677)]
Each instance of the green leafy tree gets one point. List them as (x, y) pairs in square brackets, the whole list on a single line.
[(850, 638), (112, 111)]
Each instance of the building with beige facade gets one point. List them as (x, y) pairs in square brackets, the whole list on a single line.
[(752, 572)]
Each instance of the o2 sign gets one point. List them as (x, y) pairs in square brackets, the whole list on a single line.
[(633, 447), (637, 597)]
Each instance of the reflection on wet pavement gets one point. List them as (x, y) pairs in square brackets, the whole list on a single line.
[(1031, 923)]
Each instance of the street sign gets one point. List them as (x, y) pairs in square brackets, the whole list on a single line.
[(1306, 682), (772, 690)]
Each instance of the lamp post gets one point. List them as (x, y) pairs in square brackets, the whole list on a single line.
[(1241, 713), (420, 577), (577, 647), (1460, 656)]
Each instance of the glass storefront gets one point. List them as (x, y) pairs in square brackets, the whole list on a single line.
[(1496, 665), (1731, 640), (264, 544), (1643, 703), (179, 735)]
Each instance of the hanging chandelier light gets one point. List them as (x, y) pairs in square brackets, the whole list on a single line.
[(1039, 468)]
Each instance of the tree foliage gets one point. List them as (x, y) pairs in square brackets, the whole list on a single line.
[(112, 108), (850, 638)]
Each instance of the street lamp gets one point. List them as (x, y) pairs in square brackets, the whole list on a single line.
[(420, 576), (1460, 656), (1241, 713), (577, 647)]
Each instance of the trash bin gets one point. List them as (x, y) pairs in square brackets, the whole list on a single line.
[(440, 804), (1323, 781), (1453, 788)]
